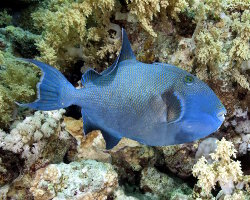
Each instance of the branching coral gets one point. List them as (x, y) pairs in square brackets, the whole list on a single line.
[(28, 138), (74, 30), (209, 48), (220, 42), (146, 10), (223, 170)]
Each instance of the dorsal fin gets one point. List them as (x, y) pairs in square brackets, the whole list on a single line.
[(126, 53)]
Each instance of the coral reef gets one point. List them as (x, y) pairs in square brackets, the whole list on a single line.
[(146, 10), (5, 18), (179, 159), (17, 79), (44, 155), (206, 147), (130, 158)]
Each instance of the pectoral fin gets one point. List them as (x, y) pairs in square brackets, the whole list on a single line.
[(87, 125), (174, 105)]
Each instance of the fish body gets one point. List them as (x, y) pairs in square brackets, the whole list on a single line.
[(156, 104)]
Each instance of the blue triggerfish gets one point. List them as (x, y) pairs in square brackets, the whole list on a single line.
[(155, 104)]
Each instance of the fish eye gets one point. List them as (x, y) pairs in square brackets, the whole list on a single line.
[(188, 80)]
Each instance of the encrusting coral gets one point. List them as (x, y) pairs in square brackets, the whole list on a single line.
[(85, 180), (163, 186), (223, 170)]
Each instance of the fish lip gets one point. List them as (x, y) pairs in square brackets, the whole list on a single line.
[(221, 115)]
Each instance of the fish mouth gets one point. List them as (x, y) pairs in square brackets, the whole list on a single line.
[(221, 115)]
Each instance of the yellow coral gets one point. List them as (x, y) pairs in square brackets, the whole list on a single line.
[(223, 170), (206, 176), (69, 29), (13, 85), (223, 45), (240, 47), (209, 48), (241, 79), (146, 10)]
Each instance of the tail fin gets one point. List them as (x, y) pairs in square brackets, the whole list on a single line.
[(53, 91)]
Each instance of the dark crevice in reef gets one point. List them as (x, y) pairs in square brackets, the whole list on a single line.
[(13, 164), (132, 186), (185, 26), (65, 158), (190, 181), (15, 5), (245, 160), (73, 111), (73, 76)]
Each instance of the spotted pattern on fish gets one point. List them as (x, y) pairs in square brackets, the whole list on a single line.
[(156, 104)]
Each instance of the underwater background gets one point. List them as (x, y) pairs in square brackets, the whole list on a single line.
[(44, 155)]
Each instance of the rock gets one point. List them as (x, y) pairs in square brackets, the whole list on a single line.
[(206, 147), (130, 157), (179, 159), (90, 147), (19, 188), (163, 186), (84, 180), (119, 194)]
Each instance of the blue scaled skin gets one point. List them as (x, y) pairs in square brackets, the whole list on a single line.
[(156, 104)]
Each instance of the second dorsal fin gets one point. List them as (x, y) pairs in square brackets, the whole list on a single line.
[(89, 75)]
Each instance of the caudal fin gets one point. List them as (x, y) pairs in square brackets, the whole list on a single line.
[(53, 91)]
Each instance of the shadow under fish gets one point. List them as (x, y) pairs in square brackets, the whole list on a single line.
[(155, 104)]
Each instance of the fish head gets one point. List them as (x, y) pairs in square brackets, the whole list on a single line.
[(203, 112)]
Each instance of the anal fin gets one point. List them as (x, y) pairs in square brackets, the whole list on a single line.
[(110, 140), (88, 126)]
